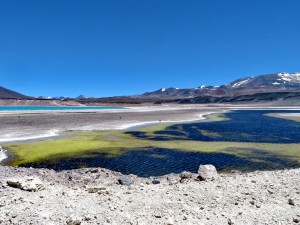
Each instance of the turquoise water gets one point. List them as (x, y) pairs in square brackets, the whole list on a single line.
[(53, 108)]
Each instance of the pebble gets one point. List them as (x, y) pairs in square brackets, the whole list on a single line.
[(291, 202), (73, 222), (296, 220), (125, 181)]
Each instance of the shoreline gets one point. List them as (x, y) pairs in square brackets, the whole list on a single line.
[(107, 124), (3, 155), (181, 115), (55, 133)]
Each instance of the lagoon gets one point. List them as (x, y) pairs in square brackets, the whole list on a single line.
[(246, 140)]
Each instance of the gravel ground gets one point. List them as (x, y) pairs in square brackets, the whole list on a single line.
[(94, 196)]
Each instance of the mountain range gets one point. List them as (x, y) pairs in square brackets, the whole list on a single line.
[(278, 82), (269, 87)]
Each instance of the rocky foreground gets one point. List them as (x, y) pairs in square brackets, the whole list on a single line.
[(100, 196)]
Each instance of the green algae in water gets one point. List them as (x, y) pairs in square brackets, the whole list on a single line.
[(171, 148)]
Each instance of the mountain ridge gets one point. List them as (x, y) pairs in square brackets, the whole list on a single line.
[(269, 87), (9, 94), (243, 86)]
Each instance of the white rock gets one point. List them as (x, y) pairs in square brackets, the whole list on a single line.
[(207, 172), (29, 183)]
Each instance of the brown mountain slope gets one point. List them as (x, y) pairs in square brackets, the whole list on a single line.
[(9, 94)]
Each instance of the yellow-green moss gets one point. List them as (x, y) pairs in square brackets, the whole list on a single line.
[(116, 143)]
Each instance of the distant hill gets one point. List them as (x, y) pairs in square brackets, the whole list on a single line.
[(9, 94)]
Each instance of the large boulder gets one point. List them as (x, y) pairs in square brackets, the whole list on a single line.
[(207, 172), (29, 183)]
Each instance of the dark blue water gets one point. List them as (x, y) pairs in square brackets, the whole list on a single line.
[(38, 108), (243, 126), (145, 162)]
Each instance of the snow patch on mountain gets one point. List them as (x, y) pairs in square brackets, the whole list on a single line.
[(45, 97), (289, 77), (240, 83)]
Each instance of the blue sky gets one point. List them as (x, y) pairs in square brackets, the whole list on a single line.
[(116, 47)]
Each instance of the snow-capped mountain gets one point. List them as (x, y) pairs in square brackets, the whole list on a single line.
[(277, 80), (83, 97), (44, 97), (80, 97), (250, 85)]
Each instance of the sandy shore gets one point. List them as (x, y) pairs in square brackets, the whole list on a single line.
[(290, 114), (25, 125), (16, 126), (94, 196)]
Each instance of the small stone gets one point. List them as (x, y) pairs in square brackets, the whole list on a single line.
[(296, 220), (230, 222), (73, 222), (96, 189), (207, 172), (87, 218), (291, 202), (155, 182), (186, 175), (94, 171), (125, 181)]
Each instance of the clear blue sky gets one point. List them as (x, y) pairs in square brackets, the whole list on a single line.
[(122, 47)]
